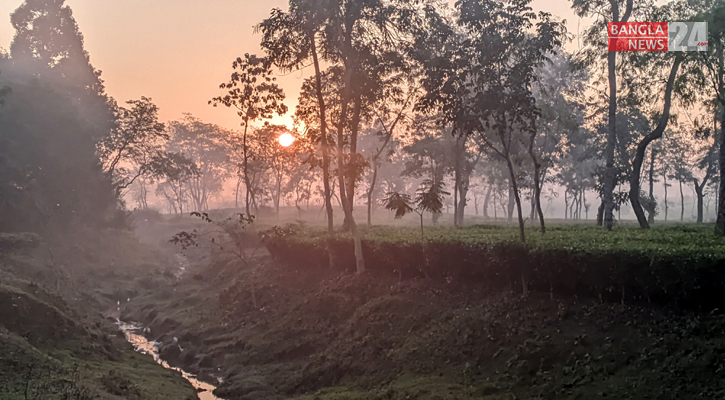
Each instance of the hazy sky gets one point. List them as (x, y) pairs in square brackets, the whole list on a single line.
[(178, 51)]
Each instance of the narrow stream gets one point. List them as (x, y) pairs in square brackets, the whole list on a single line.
[(145, 346)]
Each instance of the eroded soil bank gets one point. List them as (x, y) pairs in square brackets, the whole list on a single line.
[(55, 339), (320, 334)]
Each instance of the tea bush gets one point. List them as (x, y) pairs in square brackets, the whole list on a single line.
[(683, 266)]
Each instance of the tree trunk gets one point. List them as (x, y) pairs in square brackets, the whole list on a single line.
[(682, 203), (245, 169), (720, 225), (351, 179), (651, 213), (371, 189), (323, 136), (486, 200), (341, 167), (278, 196), (236, 192), (664, 177), (475, 203), (600, 214), (699, 189), (512, 198), (537, 184), (495, 207), (642, 146), (456, 181), (608, 193), (609, 178), (515, 190)]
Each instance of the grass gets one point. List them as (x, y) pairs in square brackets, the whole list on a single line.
[(54, 342), (661, 238), (677, 264)]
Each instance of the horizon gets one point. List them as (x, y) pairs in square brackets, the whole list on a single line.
[(133, 67)]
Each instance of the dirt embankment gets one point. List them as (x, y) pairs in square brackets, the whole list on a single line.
[(320, 334), (54, 341)]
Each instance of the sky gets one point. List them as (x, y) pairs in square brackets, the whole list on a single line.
[(178, 51)]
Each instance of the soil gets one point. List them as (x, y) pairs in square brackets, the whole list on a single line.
[(319, 334), (55, 343)]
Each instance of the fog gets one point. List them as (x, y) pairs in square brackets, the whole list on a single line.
[(361, 200)]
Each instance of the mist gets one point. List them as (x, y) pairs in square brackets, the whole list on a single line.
[(369, 199)]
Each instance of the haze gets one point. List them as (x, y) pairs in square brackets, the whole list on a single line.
[(178, 52), (442, 201)]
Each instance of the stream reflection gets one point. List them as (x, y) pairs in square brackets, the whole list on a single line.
[(145, 346)]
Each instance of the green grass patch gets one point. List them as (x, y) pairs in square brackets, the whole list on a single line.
[(680, 265)]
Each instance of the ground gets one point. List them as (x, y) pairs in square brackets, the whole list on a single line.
[(56, 342), (322, 334), (276, 330)]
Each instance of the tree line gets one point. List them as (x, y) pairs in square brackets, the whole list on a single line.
[(478, 102)]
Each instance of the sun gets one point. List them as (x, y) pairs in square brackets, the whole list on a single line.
[(286, 139)]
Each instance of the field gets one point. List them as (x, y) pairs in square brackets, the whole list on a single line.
[(445, 316), (671, 265)]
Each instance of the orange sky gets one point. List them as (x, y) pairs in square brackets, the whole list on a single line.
[(178, 51)]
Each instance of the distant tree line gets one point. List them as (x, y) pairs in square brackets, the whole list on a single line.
[(479, 101)]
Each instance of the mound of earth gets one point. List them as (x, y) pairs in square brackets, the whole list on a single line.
[(276, 333), (56, 344)]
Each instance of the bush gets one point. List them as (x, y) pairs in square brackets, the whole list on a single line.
[(668, 266)]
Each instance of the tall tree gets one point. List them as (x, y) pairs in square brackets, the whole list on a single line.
[(253, 92), (606, 11), (49, 44), (203, 144), (135, 146), (503, 62), (291, 39), (656, 133), (391, 112), (713, 80)]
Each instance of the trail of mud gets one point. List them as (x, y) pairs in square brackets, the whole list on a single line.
[(150, 347)]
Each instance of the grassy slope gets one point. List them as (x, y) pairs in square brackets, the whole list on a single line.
[(54, 342), (321, 334)]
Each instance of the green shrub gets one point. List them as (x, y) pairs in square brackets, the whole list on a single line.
[(681, 266)]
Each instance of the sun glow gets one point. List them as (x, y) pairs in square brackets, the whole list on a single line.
[(286, 140)]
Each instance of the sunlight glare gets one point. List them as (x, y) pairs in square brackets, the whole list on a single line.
[(286, 139)]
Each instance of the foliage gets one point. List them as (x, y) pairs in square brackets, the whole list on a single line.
[(135, 146), (49, 173), (429, 196), (398, 202), (676, 265)]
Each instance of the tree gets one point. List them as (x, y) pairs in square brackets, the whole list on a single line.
[(42, 191), (203, 145), (290, 39), (134, 147), (560, 141), (391, 111), (430, 155), (429, 198), (280, 161), (177, 172), (605, 11), (442, 51), (48, 44), (634, 182), (712, 79), (253, 92), (502, 65)]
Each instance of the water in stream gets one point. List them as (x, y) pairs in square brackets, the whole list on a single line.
[(145, 346)]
